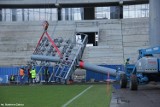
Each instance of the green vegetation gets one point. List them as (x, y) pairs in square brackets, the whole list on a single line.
[(55, 95)]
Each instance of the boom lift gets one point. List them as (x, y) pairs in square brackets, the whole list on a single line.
[(146, 69)]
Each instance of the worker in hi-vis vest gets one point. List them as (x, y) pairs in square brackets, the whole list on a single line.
[(127, 61), (33, 75), (21, 74), (12, 79)]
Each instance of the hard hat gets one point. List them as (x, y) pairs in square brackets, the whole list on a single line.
[(33, 68), (128, 59)]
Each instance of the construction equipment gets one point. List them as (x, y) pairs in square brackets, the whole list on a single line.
[(66, 55), (146, 69)]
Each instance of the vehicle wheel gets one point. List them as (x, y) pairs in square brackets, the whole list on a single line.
[(133, 82), (123, 81)]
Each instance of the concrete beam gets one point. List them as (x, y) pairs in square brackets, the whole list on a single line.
[(64, 3)]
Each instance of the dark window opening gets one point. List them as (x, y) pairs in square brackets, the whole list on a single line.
[(92, 38)]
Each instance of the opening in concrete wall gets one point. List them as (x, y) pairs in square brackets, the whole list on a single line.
[(92, 38)]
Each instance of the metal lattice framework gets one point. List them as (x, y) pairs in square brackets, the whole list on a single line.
[(68, 54)]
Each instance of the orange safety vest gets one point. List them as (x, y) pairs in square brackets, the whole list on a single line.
[(21, 72)]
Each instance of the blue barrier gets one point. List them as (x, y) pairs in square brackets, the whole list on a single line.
[(8, 71), (3, 79)]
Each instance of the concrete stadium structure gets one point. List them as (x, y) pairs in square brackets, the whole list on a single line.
[(118, 38)]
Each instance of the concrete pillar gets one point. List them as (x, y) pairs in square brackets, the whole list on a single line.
[(0, 14), (82, 13), (154, 20), (28, 15), (116, 12), (59, 11), (23, 19), (89, 13), (5, 16), (66, 13), (71, 13), (121, 11), (14, 14)]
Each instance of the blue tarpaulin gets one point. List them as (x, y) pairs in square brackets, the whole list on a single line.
[(3, 79)]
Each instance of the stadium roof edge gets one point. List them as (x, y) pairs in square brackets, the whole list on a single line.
[(65, 3)]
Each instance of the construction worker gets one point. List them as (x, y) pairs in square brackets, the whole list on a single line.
[(127, 61), (29, 75), (46, 74), (21, 74), (33, 75), (45, 25), (12, 79)]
